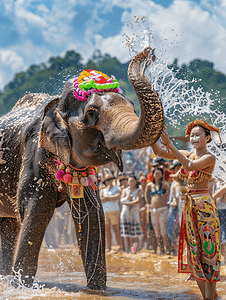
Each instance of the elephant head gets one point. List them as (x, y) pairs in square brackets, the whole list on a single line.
[(91, 124)]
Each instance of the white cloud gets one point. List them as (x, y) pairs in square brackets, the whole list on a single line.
[(43, 9), (30, 18), (52, 24), (8, 5), (25, 18), (217, 10), (11, 59), (59, 19), (34, 54), (183, 30)]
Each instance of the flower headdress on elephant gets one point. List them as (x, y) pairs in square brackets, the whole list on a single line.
[(91, 81)]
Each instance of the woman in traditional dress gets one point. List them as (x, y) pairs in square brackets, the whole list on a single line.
[(200, 226), (130, 214)]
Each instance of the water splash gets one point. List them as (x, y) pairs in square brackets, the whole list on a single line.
[(13, 286), (179, 98)]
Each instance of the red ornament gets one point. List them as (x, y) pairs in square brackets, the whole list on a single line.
[(67, 178), (94, 187)]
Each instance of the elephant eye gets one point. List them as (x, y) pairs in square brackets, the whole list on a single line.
[(92, 116)]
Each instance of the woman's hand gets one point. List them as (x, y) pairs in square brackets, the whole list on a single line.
[(142, 209), (175, 177), (165, 138), (130, 197)]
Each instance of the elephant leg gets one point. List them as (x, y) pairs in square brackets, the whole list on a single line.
[(29, 242), (91, 238), (9, 231)]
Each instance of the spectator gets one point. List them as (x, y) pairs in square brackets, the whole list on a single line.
[(161, 163), (123, 183), (103, 171), (143, 211), (110, 198), (173, 198), (123, 180), (157, 196), (174, 215), (133, 161), (130, 217)]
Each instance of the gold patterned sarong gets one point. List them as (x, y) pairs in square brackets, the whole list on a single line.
[(200, 229)]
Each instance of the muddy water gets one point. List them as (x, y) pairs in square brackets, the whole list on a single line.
[(143, 275)]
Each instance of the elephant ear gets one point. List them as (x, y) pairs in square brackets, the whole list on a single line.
[(54, 135)]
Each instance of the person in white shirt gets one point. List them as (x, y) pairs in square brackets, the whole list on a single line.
[(110, 197), (130, 214)]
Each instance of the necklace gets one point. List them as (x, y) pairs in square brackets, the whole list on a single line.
[(76, 178), (200, 155)]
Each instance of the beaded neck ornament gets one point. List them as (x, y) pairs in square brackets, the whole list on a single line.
[(91, 81), (76, 178)]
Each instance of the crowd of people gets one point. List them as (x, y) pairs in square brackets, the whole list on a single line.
[(136, 203), (142, 206)]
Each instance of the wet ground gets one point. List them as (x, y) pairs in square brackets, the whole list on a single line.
[(143, 275)]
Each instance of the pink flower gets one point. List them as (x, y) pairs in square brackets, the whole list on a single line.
[(90, 181), (59, 174)]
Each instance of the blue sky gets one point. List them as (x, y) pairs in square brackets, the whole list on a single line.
[(33, 31)]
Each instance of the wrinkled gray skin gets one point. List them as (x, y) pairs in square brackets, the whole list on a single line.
[(42, 127)]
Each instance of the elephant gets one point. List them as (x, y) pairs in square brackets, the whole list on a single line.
[(71, 130)]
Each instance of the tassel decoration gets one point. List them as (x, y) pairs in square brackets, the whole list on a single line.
[(60, 188), (81, 177), (84, 181)]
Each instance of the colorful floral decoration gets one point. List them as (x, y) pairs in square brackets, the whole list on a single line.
[(77, 178), (91, 81)]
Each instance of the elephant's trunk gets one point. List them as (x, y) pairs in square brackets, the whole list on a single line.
[(145, 130)]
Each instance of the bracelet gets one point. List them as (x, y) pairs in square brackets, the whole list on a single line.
[(167, 147), (189, 163)]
